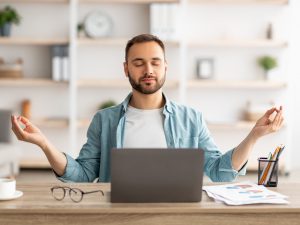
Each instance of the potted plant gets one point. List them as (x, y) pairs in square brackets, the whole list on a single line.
[(8, 16), (80, 30), (268, 63), (106, 104)]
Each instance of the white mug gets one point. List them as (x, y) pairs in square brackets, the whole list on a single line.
[(7, 187)]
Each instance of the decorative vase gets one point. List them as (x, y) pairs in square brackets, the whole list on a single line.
[(271, 74), (6, 30), (267, 75)]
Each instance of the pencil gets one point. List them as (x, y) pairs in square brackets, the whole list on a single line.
[(267, 167)]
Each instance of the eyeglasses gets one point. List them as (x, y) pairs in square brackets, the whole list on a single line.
[(75, 194)]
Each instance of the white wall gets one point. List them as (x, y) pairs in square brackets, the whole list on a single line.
[(294, 70), (213, 21)]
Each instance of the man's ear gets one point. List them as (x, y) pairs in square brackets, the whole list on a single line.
[(166, 66), (125, 66)]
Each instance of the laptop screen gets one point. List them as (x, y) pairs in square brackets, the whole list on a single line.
[(156, 175)]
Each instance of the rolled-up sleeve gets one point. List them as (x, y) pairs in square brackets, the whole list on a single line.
[(86, 167), (217, 166)]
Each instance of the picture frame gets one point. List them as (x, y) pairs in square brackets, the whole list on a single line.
[(205, 68)]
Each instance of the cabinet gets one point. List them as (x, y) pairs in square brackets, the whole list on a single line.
[(213, 29)]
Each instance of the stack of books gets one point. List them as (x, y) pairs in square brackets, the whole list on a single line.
[(164, 18), (60, 63)]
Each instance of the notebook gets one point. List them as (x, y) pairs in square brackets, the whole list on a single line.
[(156, 175)]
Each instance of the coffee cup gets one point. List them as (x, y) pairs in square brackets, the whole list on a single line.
[(7, 187)]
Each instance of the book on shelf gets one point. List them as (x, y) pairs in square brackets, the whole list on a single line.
[(60, 63), (164, 21)]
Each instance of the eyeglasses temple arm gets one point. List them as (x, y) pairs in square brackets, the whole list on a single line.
[(88, 192)]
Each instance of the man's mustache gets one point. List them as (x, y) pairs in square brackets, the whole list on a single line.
[(148, 76)]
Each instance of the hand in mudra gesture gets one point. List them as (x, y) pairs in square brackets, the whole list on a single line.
[(266, 125), (30, 133)]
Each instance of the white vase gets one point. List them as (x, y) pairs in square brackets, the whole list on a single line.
[(271, 74)]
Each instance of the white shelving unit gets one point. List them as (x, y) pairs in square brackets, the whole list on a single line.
[(220, 98), (237, 84), (86, 83), (258, 2), (32, 41), (30, 82), (238, 43)]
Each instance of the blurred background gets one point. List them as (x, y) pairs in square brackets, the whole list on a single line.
[(61, 61)]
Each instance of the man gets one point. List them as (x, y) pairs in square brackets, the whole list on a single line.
[(146, 118)]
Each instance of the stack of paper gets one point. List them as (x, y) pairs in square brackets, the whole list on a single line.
[(244, 193)]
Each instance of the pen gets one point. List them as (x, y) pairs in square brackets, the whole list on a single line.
[(267, 167), (273, 166)]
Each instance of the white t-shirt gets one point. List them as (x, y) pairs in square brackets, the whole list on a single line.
[(144, 128)]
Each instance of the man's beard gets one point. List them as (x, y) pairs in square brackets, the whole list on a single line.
[(147, 90)]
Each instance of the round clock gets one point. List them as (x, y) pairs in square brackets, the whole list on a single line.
[(98, 24)]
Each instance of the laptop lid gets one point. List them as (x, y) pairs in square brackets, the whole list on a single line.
[(156, 175)]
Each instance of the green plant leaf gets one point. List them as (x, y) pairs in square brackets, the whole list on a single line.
[(267, 62), (9, 15)]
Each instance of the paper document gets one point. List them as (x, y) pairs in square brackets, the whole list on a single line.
[(244, 193)]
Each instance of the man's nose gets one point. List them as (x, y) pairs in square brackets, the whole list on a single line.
[(148, 69)]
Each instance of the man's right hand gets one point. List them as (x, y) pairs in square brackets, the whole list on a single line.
[(30, 133)]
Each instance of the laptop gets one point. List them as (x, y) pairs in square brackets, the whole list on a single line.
[(5, 131), (156, 175)]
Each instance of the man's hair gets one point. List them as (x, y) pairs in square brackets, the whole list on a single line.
[(142, 38)]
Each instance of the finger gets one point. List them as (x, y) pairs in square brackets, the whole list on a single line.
[(18, 130), (24, 120), (16, 133), (12, 119), (14, 122), (281, 122), (19, 137), (277, 121), (270, 111), (14, 127)]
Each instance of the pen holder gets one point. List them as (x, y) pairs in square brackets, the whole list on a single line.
[(271, 174)]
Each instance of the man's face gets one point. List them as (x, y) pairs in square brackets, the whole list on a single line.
[(146, 67)]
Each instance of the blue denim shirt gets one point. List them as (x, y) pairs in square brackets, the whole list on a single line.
[(184, 128)]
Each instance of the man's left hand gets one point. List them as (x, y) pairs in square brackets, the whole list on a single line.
[(265, 125)]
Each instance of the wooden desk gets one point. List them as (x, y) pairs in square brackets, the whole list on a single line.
[(37, 206)]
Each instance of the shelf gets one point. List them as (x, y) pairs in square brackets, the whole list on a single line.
[(35, 1), (237, 84), (33, 41), (51, 122), (114, 41), (83, 123), (34, 163), (231, 43), (116, 83), (129, 1), (239, 125), (256, 2), (29, 82)]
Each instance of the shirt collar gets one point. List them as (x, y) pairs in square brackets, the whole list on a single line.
[(167, 106)]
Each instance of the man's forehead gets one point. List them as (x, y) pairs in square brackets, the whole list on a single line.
[(147, 50)]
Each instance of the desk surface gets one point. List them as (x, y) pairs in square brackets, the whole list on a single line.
[(37, 202)]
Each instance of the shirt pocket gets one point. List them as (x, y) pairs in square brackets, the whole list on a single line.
[(188, 142)]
